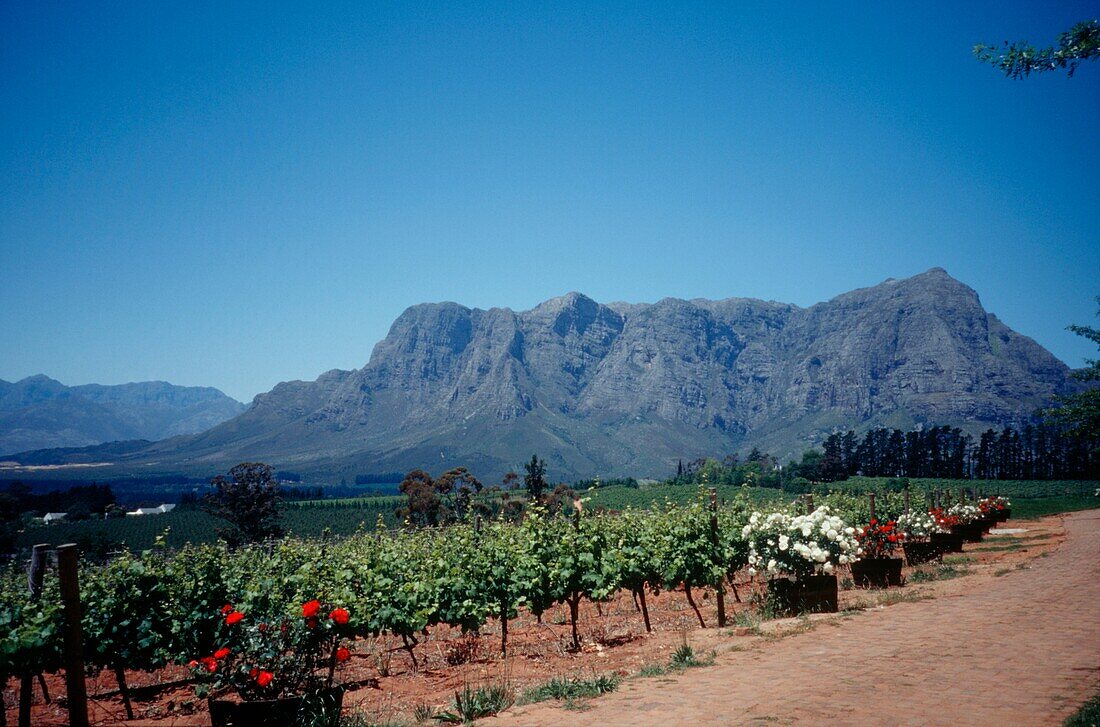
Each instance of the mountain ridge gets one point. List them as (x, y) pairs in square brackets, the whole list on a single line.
[(38, 412), (627, 388)]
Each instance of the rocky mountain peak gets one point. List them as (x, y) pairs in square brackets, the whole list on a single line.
[(631, 388)]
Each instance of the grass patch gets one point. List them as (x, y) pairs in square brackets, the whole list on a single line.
[(361, 719), (1007, 547), (652, 670), (573, 705), (890, 598), (423, 713), (1032, 508), (471, 704), (1087, 716), (683, 658), (571, 688), (943, 572), (959, 559), (804, 625)]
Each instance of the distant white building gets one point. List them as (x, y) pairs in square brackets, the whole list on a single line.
[(160, 510), (53, 517)]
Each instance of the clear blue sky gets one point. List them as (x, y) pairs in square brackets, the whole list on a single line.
[(240, 196)]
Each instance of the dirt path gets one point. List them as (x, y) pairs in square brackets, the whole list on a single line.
[(1019, 649)]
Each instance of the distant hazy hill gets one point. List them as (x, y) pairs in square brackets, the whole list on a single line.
[(629, 389), (39, 412)]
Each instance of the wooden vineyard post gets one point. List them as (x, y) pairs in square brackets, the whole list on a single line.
[(871, 500), (906, 502), (34, 585), (809, 503), (720, 592), (67, 572)]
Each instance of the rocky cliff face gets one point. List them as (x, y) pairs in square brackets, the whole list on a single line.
[(628, 389)]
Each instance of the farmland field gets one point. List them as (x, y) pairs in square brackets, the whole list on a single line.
[(1031, 498), (435, 583)]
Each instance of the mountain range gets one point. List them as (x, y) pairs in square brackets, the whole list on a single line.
[(39, 412), (623, 388)]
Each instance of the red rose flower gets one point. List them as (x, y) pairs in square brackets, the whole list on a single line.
[(342, 654), (253, 672), (210, 663), (234, 617), (340, 615), (227, 608), (264, 678), (311, 622), (192, 663), (311, 608), (221, 653)]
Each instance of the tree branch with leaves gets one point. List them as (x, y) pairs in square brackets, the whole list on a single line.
[(1020, 59)]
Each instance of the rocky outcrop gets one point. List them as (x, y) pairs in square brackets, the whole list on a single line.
[(630, 388)]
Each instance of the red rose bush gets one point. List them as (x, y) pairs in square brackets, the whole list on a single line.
[(879, 539), (289, 656)]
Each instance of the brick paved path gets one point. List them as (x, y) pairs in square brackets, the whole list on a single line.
[(1021, 649)]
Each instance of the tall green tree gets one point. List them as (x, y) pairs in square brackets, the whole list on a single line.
[(423, 505), (248, 500), (459, 486), (535, 479), (1080, 412), (1078, 44)]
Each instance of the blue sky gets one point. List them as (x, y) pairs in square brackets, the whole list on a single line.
[(240, 196)]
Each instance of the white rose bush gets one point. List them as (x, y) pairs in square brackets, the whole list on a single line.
[(794, 546), (965, 513), (919, 525)]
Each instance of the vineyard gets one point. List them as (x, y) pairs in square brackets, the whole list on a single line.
[(189, 525), (163, 606), (346, 516)]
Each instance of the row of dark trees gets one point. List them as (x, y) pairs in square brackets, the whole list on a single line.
[(78, 501), (1035, 452)]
